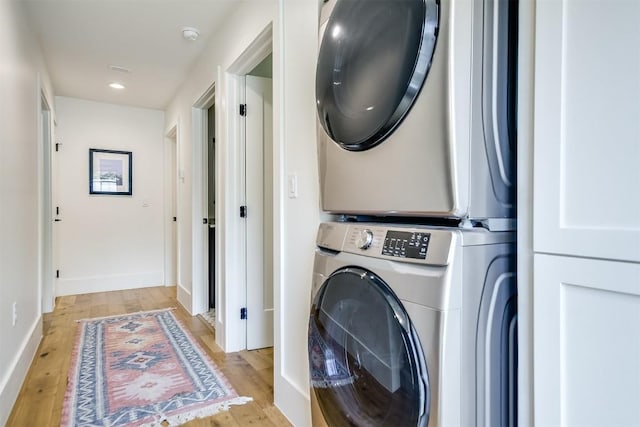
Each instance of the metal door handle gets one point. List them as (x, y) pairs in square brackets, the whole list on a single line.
[(57, 220)]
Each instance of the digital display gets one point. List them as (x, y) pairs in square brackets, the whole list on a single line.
[(406, 244)]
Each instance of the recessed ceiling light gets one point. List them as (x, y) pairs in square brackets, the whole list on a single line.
[(116, 86), (190, 33)]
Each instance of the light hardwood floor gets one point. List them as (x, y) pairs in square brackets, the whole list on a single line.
[(39, 403)]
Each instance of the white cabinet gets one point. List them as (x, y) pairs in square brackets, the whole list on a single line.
[(587, 128), (586, 214), (586, 341)]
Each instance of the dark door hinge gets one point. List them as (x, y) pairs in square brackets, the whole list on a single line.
[(57, 274), (175, 219), (57, 210), (243, 109), (58, 144), (243, 211), (205, 221), (243, 313)]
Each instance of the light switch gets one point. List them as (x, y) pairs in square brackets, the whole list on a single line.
[(292, 184)]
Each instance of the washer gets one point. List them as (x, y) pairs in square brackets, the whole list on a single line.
[(412, 326), (416, 108)]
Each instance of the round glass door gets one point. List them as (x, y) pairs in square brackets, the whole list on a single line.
[(366, 363), (373, 59)]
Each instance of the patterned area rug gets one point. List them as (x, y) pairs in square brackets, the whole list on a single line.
[(142, 369)]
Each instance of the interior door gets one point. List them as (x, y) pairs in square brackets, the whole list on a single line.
[(172, 265), (259, 196), (56, 208), (210, 258), (48, 211)]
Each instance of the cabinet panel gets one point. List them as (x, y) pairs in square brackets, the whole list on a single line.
[(587, 129), (587, 342)]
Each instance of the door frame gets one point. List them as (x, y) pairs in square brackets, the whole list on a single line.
[(171, 246), (46, 278), (235, 337), (230, 239), (200, 196)]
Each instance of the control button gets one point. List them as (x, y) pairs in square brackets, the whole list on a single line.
[(364, 239)]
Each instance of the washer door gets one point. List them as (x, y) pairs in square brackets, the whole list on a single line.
[(373, 60), (366, 363)]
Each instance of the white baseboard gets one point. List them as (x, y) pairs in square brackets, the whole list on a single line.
[(184, 298), (17, 371), (291, 401), (116, 282)]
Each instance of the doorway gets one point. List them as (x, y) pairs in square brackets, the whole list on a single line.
[(210, 248), (48, 231), (232, 207), (203, 135), (171, 259)]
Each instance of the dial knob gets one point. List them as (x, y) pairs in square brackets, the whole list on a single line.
[(364, 239)]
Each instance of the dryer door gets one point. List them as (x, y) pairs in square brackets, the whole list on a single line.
[(366, 363), (373, 60)]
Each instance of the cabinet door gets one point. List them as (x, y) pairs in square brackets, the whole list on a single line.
[(587, 342), (587, 129)]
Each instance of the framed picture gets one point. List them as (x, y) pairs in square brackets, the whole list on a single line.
[(110, 172)]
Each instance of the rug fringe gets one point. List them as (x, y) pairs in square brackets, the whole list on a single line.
[(208, 411), (89, 319)]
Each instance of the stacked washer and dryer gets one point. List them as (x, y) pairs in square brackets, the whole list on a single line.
[(413, 314)]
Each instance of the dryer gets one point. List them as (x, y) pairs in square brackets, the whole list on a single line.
[(416, 108), (412, 326)]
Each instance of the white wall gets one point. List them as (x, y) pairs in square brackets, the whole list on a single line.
[(109, 242), (300, 217), (295, 27), (22, 68), (229, 42)]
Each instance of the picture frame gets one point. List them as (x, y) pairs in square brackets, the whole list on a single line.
[(110, 172)]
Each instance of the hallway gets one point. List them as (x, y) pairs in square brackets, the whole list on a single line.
[(41, 397)]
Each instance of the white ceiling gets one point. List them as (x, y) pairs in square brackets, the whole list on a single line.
[(80, 39)]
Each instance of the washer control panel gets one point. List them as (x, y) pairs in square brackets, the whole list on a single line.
[(411, 244), (406, 244)]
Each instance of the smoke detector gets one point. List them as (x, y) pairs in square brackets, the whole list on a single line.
[(190, 33)]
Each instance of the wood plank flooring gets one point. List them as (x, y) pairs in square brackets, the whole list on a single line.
[(40, 401)]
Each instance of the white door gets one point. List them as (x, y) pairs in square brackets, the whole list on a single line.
[(586, 341), (48, 270), (57, 208), (172, 262), (586, 214), (259, 199), (587, 129)]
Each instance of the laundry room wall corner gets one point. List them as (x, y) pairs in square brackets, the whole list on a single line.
[(297, 31)]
